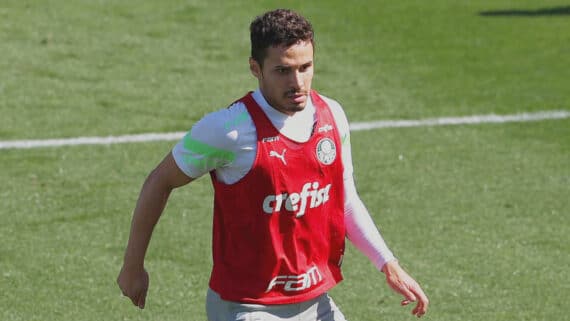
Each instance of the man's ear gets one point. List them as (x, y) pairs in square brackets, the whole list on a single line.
[(255, 68)]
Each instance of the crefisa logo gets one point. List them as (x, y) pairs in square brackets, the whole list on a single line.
[(326, 151)]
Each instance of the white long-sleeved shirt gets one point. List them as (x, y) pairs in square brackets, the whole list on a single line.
[(225, 141)]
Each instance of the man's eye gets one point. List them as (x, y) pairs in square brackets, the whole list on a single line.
[(282, 70), (305, 67)]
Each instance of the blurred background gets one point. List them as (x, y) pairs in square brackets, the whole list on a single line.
[(478, 214)]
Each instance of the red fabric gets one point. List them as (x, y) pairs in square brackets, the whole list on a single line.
[(279, 232)]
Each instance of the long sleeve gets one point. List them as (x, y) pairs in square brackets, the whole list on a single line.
[(361, 230)]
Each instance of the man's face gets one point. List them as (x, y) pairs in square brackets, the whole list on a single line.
[(286, 75)]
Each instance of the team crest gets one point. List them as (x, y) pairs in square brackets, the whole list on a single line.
[(326, 151)]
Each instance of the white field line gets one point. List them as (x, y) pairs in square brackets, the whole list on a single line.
[(467, 120)]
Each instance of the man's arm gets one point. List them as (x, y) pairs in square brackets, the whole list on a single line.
[(362, 232), (133, 278)]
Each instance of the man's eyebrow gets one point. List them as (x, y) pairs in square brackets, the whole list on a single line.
[(308, 63), (283, 68)]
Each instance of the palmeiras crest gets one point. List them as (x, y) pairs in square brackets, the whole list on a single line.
[(326, 151)]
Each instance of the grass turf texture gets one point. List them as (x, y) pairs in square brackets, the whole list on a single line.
[(477, 214)]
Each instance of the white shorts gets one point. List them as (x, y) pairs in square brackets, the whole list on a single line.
[(321, 308)]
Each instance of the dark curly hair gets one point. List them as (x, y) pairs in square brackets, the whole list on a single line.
[(275, 28)]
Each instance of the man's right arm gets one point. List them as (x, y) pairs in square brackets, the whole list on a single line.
[(210, 145), (133, 278)]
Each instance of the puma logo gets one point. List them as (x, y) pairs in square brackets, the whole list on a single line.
[(280, 156)]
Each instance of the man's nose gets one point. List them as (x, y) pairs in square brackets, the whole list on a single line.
[(297, 79)]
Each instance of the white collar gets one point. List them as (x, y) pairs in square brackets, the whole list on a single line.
[(297, 126)]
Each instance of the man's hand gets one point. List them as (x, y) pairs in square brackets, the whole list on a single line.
[(403, 283), (133, 278), (134, 282)]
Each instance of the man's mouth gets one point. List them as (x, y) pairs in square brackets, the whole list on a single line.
[(297, 97)]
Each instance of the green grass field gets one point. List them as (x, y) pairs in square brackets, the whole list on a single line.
[(477, 214)]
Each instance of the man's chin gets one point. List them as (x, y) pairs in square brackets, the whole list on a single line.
[(296, 107), (291, 109)]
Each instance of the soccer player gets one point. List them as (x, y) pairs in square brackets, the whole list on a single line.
[(284, 197)]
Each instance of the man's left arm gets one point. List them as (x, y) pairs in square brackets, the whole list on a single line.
[(362, 232)]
